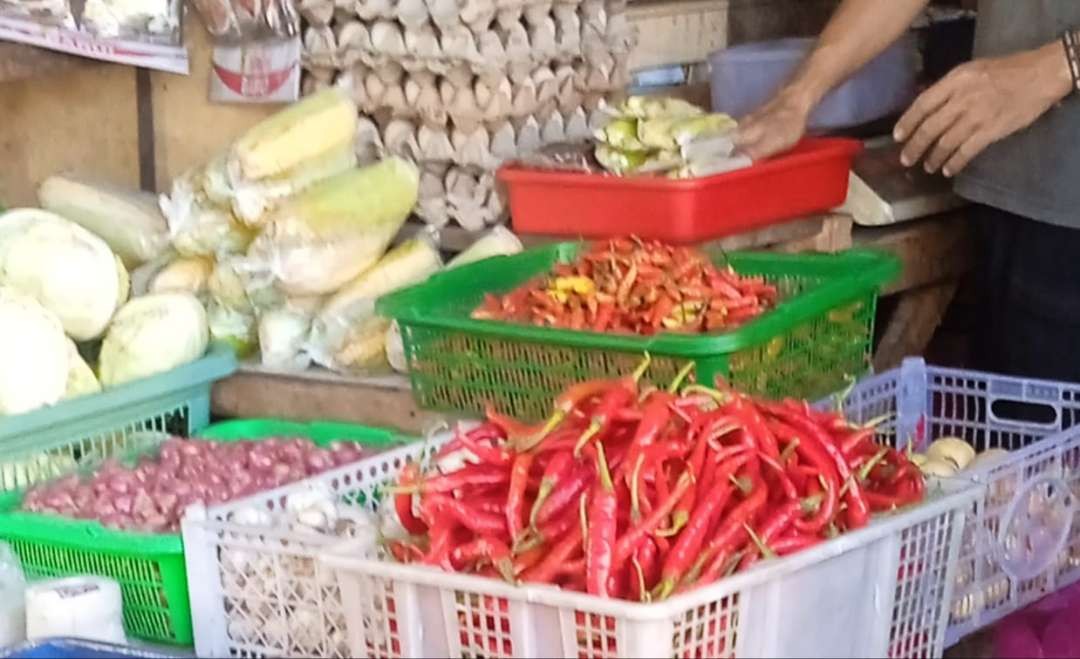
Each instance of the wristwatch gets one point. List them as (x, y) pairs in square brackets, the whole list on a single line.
[(1071, 40)]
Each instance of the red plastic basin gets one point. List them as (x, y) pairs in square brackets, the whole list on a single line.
[(811, 178)]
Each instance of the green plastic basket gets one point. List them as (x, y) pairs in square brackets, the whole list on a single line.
[(819, 335), (149, 567), (50, 442)]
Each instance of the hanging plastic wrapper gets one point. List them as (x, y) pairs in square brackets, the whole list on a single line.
[(144, 33), (256, 56)]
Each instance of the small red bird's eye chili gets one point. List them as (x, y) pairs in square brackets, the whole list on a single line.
[(600, 543), (403, 501), (515, 498)]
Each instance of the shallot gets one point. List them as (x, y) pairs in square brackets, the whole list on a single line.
[(151, 495)]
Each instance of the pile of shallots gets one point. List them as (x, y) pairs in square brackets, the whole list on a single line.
[(152, 494)]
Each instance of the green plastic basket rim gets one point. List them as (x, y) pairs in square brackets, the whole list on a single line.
[(219, 362), (80, 534), (851, 275)]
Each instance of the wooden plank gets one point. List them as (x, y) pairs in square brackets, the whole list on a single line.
[(384, 404), (913, 323), (834, 236), (19, 62), (931, 250)]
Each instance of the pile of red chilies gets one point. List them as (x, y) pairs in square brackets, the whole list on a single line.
[(631, 286), (638, 494)]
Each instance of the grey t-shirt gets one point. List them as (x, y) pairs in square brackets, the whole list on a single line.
[(1035, 172)]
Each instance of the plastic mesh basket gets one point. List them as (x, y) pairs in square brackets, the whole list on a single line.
[(260, 592), (149, 567), (887, 586), (819, 334), (1021, 540), (50, 442)]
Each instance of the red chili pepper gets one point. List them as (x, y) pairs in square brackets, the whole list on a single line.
[(478, 522), (471, 441), (486, 548), (442, 537), (822, 464), (634, 537), (515, 497), (560, 553), (691, 539), (604, 313), (528, 558), (613, 399), (793, 543), (565, 494), (779, 521), (600, 543), (557, 469), (727, 536), (654, 418), (475, 476), (858, 512), (511, 428), (403, 501)]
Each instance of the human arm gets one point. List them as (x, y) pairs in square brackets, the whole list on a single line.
[(979, 103), (858, 31)]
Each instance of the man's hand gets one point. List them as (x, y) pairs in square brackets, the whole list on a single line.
[(979, 103), (776, 126)]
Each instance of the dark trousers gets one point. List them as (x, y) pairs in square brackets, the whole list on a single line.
[(1028, 283)]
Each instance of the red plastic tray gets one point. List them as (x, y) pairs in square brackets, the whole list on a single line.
[(811, 178)]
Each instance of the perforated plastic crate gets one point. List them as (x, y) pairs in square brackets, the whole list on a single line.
[(886, 587), (817, 336), (50, 442), (1021, 540), (149, 567), (260, 592)]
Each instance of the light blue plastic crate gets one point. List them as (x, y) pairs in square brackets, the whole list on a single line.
[(50, 442)]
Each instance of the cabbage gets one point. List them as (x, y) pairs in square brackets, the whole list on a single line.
[(33, 354), (153, 334), (67, 269), (81, 379)]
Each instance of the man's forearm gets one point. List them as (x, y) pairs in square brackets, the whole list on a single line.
[(859, 31)]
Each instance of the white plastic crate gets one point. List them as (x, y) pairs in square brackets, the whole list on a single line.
[(1020, 541), (885, 588), (259, 592)]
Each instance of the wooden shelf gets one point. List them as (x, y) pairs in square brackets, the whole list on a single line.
[(19, 62)]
